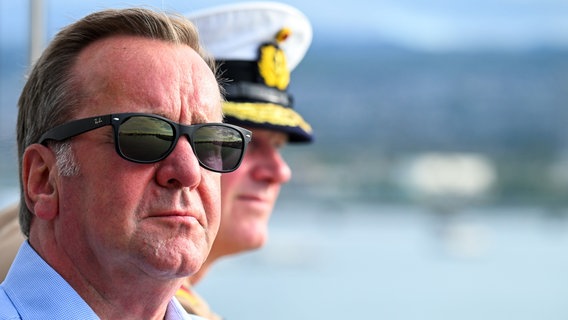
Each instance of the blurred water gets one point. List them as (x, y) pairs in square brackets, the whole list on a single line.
[(369, 261), (399, 262), (8, 196)]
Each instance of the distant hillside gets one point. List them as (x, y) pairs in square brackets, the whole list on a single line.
[(401, 100)]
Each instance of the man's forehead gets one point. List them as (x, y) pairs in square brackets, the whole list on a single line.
[(153, 73), (123, 52)]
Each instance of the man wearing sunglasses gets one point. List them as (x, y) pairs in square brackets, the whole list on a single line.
[(256, 46), (121, 147)]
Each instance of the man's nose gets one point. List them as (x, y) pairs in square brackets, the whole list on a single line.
[(273, 168), (181, 168)]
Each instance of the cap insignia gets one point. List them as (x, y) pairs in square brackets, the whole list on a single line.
[(272, 64)]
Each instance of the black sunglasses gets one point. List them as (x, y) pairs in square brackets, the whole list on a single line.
[(149, 138)]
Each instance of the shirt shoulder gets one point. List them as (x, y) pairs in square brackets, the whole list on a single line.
[(7, 309), (194, 303), (34, 290)]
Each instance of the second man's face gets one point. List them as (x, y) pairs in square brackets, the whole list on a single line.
[(249, 194)]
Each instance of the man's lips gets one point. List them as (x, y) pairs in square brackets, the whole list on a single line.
[(177, 215), (252, 197), (262, 202)]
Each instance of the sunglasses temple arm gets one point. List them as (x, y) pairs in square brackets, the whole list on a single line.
[(77, 127)]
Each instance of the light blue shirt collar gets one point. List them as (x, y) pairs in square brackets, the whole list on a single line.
[(34, 290)]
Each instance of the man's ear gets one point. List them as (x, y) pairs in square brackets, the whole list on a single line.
[(39, 179)]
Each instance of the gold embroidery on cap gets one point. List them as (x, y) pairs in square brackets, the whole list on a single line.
[(272, 64), (266, 113), (282, 35)]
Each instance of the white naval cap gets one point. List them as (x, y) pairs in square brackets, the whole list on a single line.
[(235, 31), (256, 45)]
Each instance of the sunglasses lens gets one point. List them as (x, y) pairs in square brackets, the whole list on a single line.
[(145, 139), (218, 148)]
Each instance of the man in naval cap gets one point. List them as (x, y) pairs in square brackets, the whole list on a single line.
[(256, 46)]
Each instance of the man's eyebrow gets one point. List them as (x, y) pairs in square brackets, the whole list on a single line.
[(199, 116)]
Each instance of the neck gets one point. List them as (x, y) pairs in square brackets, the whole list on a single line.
[(194, 279), (131, 294)]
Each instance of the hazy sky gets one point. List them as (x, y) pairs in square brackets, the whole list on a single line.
[(433, 24)]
